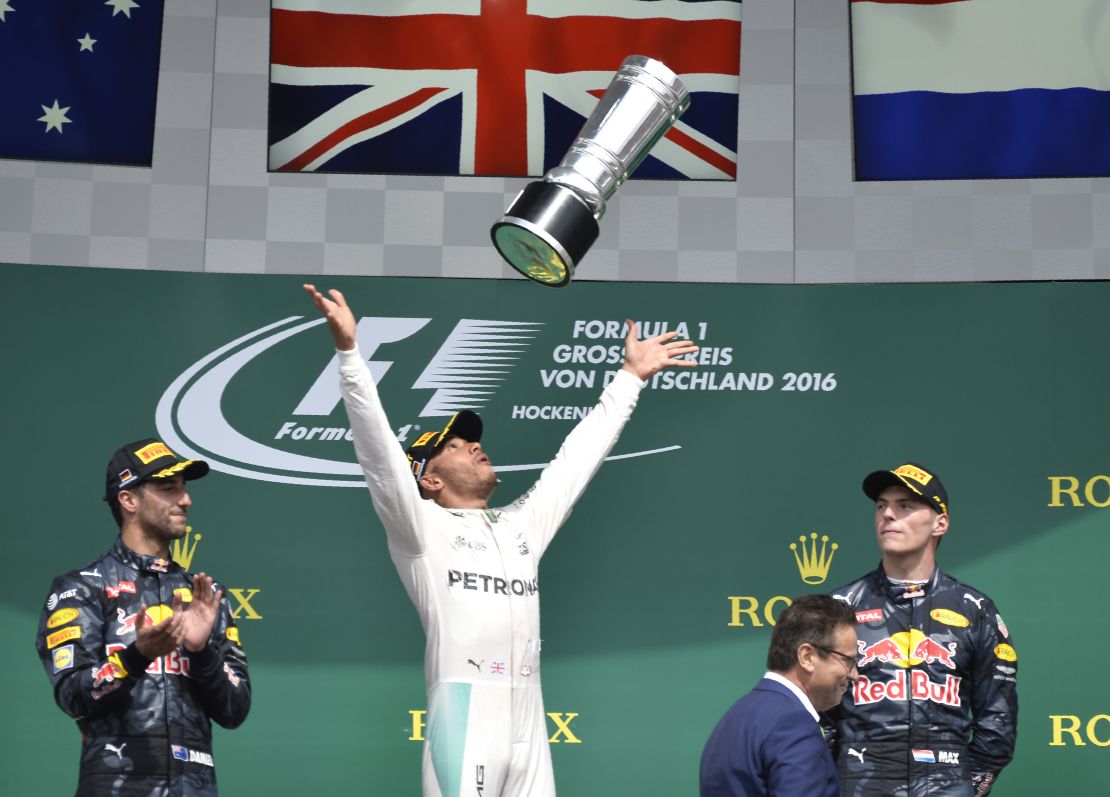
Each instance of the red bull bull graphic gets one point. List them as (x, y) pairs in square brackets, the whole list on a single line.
[(907, 649), (106, 673), (947, 693), (126, 622), (883, 651), (929, 651)]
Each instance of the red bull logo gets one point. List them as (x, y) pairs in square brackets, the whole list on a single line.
[(929, 651), (907, 649), (917, 686), (105, 673), (126, 622), (883, 651)]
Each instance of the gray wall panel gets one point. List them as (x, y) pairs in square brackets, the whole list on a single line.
[(794, 215)]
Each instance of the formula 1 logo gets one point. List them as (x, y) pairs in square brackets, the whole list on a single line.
[(250, 412), (463, 373)]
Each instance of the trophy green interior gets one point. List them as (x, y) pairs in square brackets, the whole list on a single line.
[(531, 255)]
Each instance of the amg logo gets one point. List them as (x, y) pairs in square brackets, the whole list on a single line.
[(480, 779), (495, 584)]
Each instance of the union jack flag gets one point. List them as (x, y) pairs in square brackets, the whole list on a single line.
[(489, 87)]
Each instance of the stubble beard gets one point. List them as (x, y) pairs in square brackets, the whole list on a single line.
[(487, 484), (165, 528)]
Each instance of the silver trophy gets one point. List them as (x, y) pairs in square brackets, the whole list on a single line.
[(553, 222)]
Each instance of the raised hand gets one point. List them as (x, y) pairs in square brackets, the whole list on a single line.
[(341, 321), (645, 358), (199, 615), (157, 639)]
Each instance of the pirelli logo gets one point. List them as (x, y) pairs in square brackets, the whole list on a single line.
[(66, 634), (148, 454), (918, 475)]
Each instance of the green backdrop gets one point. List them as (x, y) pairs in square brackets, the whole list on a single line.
[(998, 388)]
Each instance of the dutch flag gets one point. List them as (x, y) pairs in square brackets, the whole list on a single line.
[(965, 89)]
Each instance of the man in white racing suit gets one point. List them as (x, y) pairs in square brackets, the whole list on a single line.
[(471, 570)]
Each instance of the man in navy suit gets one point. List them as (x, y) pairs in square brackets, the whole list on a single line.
[(769, 744)]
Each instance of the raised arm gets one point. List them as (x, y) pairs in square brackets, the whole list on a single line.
[(550, 500), (392, 487), (645, 358), (341, 321), (218, 664)]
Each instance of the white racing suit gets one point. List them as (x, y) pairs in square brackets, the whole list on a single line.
[(472, 575)]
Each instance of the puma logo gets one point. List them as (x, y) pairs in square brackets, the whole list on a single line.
[(857, 753), (117, 750), (477, 664), (977, 601)]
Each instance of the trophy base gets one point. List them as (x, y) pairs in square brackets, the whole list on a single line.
[(545, 233)]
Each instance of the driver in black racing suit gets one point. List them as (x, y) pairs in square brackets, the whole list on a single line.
[(934, 711), (141, 653)]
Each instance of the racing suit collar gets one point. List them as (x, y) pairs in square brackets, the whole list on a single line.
[(142, 563), (899, 591)]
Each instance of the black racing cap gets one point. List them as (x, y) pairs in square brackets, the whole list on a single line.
[(464, 423), (914, 478), (147, 459)]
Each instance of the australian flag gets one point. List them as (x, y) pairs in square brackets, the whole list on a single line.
[(489, 87), (80, 81)]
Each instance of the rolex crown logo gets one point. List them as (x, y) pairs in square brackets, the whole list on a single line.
[(813, 564), (182, 551)]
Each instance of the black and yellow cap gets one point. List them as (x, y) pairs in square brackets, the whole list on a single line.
[(913, 477), (464, 423), (147, 459)]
